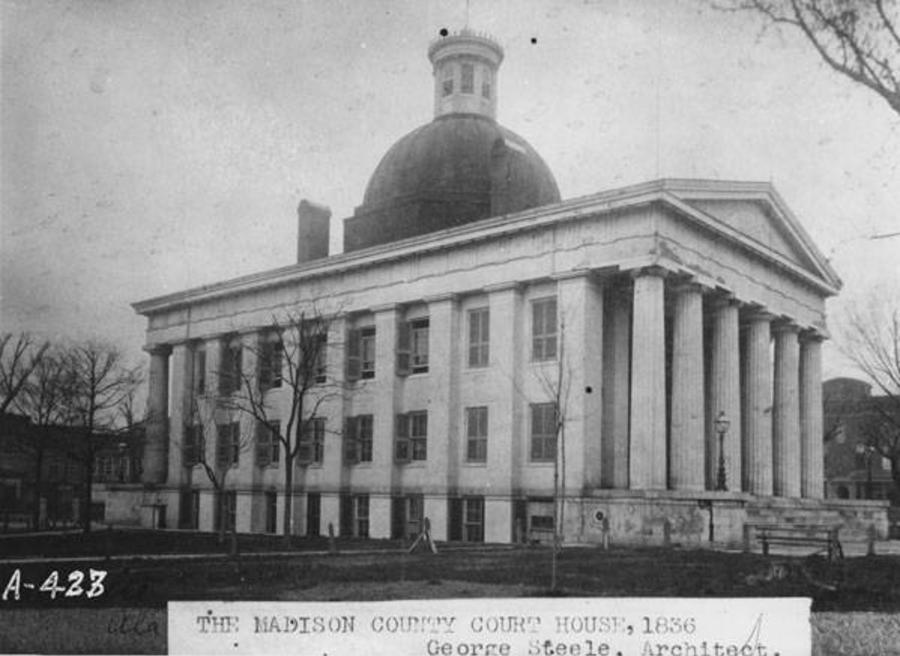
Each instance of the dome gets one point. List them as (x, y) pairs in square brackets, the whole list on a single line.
[(451, 156), (462, 166)]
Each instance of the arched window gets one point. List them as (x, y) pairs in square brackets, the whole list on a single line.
[(447, 87), (486, 83), (467, 84)]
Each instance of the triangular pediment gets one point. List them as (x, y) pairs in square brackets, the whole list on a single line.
[(751, 219), (754, 214)]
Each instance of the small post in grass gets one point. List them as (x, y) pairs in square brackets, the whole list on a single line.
[(332, 547), (870, 537)]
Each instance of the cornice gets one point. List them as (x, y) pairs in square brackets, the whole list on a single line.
[(670, 192)]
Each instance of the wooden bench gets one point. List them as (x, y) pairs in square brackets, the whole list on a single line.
[(823, 538)]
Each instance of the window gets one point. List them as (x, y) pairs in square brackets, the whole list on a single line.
[(358, 439), (467, 84), (198, 366), (194, 446), (268, 444), (320, 363), (447, 86), (486, 89), (474, 519), (189, 516), (476, 434), (479, 337), (543, 329), (361, 353), (271, 512), (229, 441), (543, 431), (412, 348), (412, 436), (271, 360), (361, 506), (229, 509), (312, 441), (406, 516), (230, 368)]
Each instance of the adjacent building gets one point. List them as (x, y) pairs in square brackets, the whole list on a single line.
[(474, 312)]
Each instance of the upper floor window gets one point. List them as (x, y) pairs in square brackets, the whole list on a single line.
[(228, 448), (447, 84), (476, 434), (312, 441), (467, 83), (230, 366), (320, 356), (361, 353), (198, 366), (358, 439), (543, 431), (479, 337), (193, 446), (271, 361), (412, 347), (543, 329), (412, 436), (268, 443)]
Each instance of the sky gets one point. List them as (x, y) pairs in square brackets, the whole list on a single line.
[(149, 147)]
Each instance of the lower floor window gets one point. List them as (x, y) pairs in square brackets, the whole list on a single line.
[(466, 519), (407, 514)]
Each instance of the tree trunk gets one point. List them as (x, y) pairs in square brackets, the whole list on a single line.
[(220, 503), (288, 496), (87, 494), (38, 480)]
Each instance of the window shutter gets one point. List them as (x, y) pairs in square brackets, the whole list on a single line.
[(351, 435), (189, 447), (223, 444), (402, 445), (235, 451), (404, 348), (354, 357), (263, 445), (304, 449)]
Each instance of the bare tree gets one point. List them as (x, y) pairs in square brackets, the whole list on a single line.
[(292, 356), (871, 339), (556, 382), (209, 416), (44, 400), (19, 355), (859, 39), (97, 382)]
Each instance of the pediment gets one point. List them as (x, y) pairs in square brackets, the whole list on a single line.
[(755, 215)]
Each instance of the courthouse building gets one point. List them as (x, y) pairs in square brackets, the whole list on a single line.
[(465, 289)]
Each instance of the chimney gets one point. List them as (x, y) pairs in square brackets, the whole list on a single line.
[(312, 231)]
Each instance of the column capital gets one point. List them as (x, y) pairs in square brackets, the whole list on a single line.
[(511, 286), (687, 284), (570, 275), (784, 325), (440, 298), (653, 270), (385, 307), (721, 298), (158, 349), (755, 313), (811, 336)]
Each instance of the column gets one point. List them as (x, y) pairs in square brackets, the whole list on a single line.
[(811, 458), (157, 441), (687, 448), (725, 393), (786, 412), (757, 410), (180, 365), (581, 359), (616, 389), (647, 457)]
